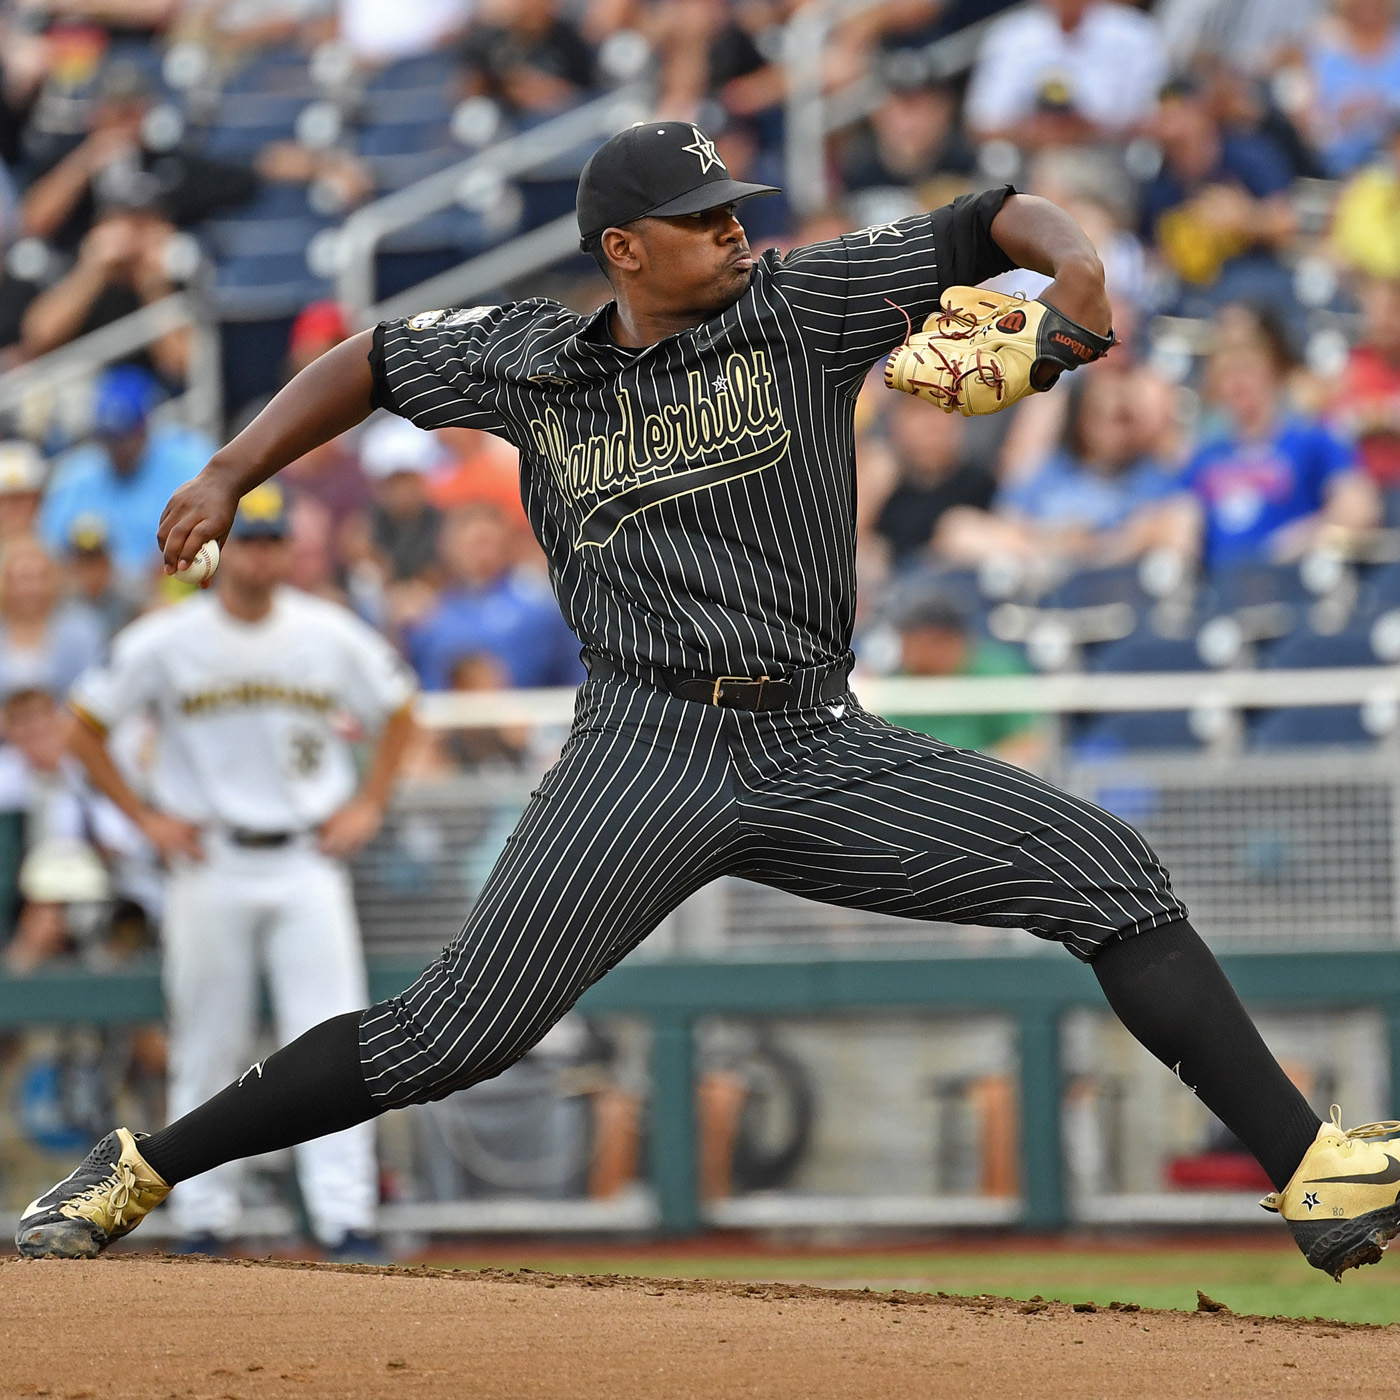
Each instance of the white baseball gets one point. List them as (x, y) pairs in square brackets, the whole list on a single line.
[(202, 566)]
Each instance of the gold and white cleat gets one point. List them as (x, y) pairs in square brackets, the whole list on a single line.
[(109, 1195), (1343, 1202)]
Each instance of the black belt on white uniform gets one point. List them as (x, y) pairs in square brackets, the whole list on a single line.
[(794, 691), (261, 840)]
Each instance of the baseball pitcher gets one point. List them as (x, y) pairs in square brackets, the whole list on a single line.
[(687, 463)]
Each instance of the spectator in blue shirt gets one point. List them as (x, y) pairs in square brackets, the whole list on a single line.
[(487, 608), (1099, 480), (1094, 502), (1355, 68), (125, 475), (1274, 480)]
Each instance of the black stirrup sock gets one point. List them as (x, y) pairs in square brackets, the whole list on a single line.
[(309, 1088), (1169, 991)]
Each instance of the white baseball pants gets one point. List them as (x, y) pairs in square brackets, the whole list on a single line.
[(288, 911)]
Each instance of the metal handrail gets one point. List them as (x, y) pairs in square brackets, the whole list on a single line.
[(360, 234), (955, 695), (804, 50), (202, 403)]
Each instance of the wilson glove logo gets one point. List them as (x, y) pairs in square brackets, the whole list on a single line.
[(728, 428), (1077, 348), (1013, 323)]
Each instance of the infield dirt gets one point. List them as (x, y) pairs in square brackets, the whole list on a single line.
[(152, 1326)]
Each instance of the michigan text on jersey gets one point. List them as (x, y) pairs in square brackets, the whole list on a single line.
[(246, 693), (724, 431)]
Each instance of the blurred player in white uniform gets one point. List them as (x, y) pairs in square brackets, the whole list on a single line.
[(255, 808)]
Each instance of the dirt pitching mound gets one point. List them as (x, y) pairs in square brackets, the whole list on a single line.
[(151, 1326)]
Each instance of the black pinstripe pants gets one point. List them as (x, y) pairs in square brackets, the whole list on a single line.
[(654, 797)]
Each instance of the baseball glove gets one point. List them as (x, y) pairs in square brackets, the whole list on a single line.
[(984, 350)]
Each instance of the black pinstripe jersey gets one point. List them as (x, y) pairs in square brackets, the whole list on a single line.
[(696, 498)]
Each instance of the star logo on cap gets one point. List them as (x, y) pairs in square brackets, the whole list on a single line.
[(703, 149)]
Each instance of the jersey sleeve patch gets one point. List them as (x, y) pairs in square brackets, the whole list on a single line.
[(438, 369), (467, 315), (447, 318)]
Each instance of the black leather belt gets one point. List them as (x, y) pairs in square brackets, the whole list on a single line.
[(260, 840), (791, 692)]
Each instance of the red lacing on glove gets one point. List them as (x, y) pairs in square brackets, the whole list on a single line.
[(988, 373), (952, 323), (908, 320), (955, 324)]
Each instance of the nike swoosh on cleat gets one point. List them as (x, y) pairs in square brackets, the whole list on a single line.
[(1381, 1178)]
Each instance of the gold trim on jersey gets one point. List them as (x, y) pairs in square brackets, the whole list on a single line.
[(728, 429), (86, 717)]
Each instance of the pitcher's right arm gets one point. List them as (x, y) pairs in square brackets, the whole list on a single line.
[(331, 395)]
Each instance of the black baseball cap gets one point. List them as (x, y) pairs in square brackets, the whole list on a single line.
[(655, 169)]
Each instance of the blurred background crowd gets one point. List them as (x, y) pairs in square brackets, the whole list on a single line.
[(1223, 490)]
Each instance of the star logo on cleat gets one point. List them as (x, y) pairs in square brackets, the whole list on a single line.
[(1310, 1199), (879, 231), (703, 149)]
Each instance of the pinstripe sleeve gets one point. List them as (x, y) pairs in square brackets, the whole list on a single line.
[(852, 293), (433, 368)]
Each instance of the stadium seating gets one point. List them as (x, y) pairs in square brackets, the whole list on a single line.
[(1256, 584), (283, 71), (256, 285), (1380, 590), (1093, 587), (1106, 736), (225, 239), (406, 107), (432, 245), (419, 71), (1314, 724), (253, 353), (405, 138)]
